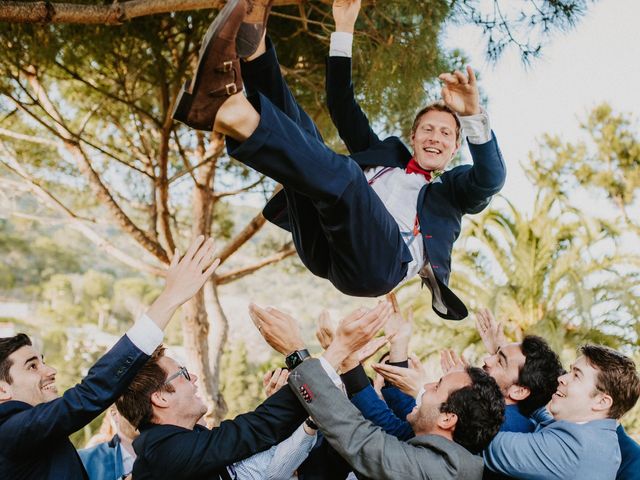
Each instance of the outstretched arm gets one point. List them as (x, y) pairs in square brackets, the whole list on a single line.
[(351, 122), (474, 186), (108, 378)]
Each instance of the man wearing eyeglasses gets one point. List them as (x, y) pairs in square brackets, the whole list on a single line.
[(35, 422), (162, 402)]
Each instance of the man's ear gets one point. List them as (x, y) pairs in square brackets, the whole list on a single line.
[(603, 402), (455, 152), (447, 421), (5, 391), (517, 393), (159, 399)]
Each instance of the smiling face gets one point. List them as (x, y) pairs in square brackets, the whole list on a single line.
[(577, 398), (424, 418), (434, 140), (32, 381)]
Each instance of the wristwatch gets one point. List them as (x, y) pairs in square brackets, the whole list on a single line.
[(296, 358), (311, 424)]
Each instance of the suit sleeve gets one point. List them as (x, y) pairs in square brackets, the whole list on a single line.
[(199, 453), (366, 447), (399, 402), (550, 453), (59, 418), (475, 186), (377, 411), (347, 116)]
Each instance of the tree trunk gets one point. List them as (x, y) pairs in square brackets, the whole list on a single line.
[(195, 331), (217, 340)]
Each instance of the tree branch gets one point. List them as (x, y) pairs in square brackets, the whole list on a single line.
[(85, 166), (246, 188), (29, 138), (238, 273), (114, 14), (245, 235), (76, 221)]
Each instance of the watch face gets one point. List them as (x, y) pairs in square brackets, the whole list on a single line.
[(296, 358)]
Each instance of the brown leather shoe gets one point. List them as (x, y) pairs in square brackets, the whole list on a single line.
[(218, 72), (253, 27)]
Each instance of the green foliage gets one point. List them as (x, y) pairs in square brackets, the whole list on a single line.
[(241, 382), (607, 162)]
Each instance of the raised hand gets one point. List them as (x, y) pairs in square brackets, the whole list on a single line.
[(399, 329), (345, 14), (279, 329), (185, 276), (409, 380), (363, 354), (371, 348), (460, 92), (491, 332), (325, 330), (451, 362), (355, 331), (273, 381)]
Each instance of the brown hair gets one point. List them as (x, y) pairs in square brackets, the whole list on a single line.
[(617, 377), (9, 345), (135, 402), (438, 107)]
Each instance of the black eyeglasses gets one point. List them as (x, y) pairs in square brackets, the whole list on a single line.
[(183, 371)]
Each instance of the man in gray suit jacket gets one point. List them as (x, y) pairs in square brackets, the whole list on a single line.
[(457, 416)]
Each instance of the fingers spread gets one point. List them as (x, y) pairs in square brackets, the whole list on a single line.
[(193, 248)]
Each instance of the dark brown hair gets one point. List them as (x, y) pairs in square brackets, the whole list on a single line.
[(9, 345), (617, 377), (539, 374), (480, 410), (438, 107), (135, 402)]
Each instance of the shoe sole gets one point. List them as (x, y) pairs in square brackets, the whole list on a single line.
[(251, 32), (185, 97)]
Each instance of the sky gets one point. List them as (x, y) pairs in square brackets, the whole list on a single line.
[(597, 61)]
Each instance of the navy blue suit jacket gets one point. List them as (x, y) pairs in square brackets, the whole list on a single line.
[(441, 203), (169, 452), (34, 441), (630, 452)]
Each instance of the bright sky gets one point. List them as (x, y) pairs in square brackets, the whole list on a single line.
[(597, 61)]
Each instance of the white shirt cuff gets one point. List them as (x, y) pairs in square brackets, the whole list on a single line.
[(341, 44), (333, 375), (145, 334), (476, 128)]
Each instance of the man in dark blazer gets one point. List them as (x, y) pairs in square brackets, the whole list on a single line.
[(341, 227), (35, 423), (162, 402)]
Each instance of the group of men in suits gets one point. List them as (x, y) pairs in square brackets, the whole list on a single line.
[(366, 222)]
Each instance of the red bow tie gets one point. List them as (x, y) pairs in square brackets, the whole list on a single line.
[(413, 167)]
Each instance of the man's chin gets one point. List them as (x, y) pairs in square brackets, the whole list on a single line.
[(49, 394)]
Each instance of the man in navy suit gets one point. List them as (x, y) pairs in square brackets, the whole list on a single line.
[(364, 231), (35, 422)]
